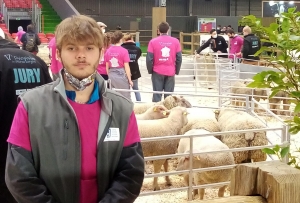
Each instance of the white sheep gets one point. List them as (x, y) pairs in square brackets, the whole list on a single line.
[(205, 144), (275, 103), (159, 128), (240, 89), (154, 112), (196, 121), (233, 120), (170, 102)]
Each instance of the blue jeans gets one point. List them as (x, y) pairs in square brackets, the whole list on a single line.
[(162, 83), (136, 87)]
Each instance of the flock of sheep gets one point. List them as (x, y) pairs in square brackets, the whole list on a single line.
[(176, 116), (240, 88)]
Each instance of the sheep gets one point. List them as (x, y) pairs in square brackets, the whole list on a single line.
[(240, 89), (140, 108), (204, 144), (274, 103), (154, 112), (170, 102), (159, 128), (233, 120), (199, 122)]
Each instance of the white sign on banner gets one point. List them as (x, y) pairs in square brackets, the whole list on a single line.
[(204, 38)]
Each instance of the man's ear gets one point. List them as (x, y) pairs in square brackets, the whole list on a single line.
[(58, 57)]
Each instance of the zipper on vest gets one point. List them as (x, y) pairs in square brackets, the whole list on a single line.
[(66, 132), (76, 187)]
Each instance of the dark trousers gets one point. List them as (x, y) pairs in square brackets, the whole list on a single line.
[(5, 196), (162, 83)]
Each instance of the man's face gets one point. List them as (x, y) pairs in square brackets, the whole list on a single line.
[(80, 59), (214, 34), (230, 35)]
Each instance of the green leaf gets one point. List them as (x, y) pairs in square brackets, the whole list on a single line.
[(294, 130), (291, 64), (260, 76), (295, 94), (297, 108), (284, 151), (276, 148), (292, 10), (268, 151), (285, 25), (297, 120), (274, 92), (274, 26), (262, 49)]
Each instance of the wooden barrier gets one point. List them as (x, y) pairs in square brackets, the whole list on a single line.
[(262, 182), (275, 181), (194, 43)]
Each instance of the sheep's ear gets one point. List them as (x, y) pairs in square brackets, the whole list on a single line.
[(168, 113), (164, 113), (155, 109), (187, 104), (176, 98)]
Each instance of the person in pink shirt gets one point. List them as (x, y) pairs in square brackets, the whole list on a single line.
[(19, 34), (117, 65), (102, 65), (56, 65), (75, 140), (163, 61), (236, 44)]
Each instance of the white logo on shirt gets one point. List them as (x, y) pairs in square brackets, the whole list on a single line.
[(114, 62), (165, 52), (8, 56)]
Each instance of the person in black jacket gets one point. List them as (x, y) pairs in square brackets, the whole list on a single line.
[(19, 71), (251, 45), (30, 34), (134, 55), (216, 43)]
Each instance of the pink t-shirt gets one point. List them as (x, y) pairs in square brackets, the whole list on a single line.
[(55, 66), (164, 49), (236, 44), (19, 35), (88, 116), (102, 65), (116, 56)]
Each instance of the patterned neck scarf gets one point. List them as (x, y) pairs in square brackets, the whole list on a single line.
[(79, 85)]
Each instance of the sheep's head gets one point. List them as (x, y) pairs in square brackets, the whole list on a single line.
[(184, 162), (175, 113), (173, 101), (160, 112)]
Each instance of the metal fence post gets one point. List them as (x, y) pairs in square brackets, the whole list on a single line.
[(190, 190)]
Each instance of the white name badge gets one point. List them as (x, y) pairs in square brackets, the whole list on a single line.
[(113, 134)]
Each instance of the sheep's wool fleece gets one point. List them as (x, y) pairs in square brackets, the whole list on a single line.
[(205, 144), (232, 120)]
